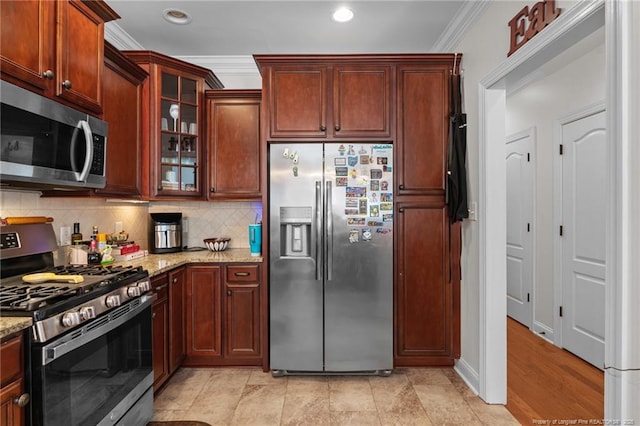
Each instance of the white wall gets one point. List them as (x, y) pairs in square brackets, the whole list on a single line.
[(578, 83), (485, 47)]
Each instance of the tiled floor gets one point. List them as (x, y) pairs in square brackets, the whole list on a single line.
[(410, 396)]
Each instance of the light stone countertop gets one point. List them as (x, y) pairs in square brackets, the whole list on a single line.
[(156, 264), (10, 325)]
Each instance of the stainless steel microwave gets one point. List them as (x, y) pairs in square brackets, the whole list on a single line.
[(44, 144)]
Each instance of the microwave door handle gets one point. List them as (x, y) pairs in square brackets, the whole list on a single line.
[(88, 139)]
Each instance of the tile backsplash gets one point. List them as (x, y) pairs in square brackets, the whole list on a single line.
[(203, 219)]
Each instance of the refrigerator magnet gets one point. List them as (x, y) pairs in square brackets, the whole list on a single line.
[(386, 206), (364, 159), (384, 185), (356, 192), (362, 206), (342, 171), (352, 161), (383, 231), (374, 223), (386, 197), (376, 174), (374, 210), (341, 149), (366, 234), (375, 185), (354, 236), (339, 161), (341, 181), (358, 221), (387, 217), (351, 150)]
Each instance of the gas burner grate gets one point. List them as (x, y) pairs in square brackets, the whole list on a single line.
[(91, 269), (32, 297)]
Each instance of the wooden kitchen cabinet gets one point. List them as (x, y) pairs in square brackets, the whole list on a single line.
[(168, 324), (177, 349), (427, 262), (242, 313), (123, 111), (423, 128), (424, 290), (160, 330), (223, 315), (172, 134), (204, 315), (233, 141), (327, 97), (58, 51), (12, 396)]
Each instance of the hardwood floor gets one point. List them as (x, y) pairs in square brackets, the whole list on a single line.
[(545, 382)]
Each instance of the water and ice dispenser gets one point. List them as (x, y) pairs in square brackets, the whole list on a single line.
[(295, 231)]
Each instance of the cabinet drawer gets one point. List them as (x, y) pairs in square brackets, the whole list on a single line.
[(11, 356), (160, 286), (242, 274)]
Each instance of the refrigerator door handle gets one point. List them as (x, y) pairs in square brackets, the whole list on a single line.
[(329, 219), (318, 230)]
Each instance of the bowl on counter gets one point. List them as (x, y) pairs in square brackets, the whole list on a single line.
[(217, 244)]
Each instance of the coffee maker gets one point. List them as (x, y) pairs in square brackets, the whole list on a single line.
[(165, 232)]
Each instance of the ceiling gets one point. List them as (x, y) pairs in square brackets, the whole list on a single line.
[(220, 28)]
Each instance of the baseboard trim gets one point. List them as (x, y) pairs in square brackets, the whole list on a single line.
[(468, 375)]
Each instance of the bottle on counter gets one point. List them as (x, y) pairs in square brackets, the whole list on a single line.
[(76, 237)]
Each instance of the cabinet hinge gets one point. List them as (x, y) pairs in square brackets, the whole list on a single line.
[(561, 149), (560, 310), (561, 229), (528, 297)]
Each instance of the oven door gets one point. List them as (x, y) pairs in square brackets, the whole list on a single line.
[(98, 374)]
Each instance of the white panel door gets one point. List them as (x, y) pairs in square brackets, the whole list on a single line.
[(519, 226), (584, 216)]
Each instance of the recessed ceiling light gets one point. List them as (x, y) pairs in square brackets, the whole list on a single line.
[(344, 14), (176, 16)]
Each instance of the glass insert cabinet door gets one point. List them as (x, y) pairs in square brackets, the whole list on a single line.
[(179, 134)]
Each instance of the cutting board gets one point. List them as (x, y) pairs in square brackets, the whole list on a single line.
[(42, 277)]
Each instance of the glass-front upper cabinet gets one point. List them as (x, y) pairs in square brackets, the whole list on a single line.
[(173, 141), (179, 134)]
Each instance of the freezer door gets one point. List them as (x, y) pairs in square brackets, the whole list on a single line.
[(359, 257), (296, 269)]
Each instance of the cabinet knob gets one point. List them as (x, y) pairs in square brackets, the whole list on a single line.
[(401, 186), (48, 74), (401, 210), (66, 84), (175, 280), (22, 400), (212, 189), (153, 315), (323, 128), (160, 188), (337, 127), (228, 292)]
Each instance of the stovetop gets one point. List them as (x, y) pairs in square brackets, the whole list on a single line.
[(18, 298)]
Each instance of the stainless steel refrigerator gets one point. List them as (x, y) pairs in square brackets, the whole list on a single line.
[(331, 258)]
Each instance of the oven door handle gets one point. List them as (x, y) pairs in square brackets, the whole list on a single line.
[(94, 329)]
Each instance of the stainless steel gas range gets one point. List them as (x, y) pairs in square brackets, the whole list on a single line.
[(89, 354)]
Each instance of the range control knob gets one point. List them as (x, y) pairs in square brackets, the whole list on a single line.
[(144, 286), (71, 319), (87, 312), (112, 301), (133, 291)]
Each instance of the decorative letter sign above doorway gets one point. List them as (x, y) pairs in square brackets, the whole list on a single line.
[(539, 16)]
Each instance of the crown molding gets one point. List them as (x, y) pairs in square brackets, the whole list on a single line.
[(119, 38), (458, 26), (239, 65)]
